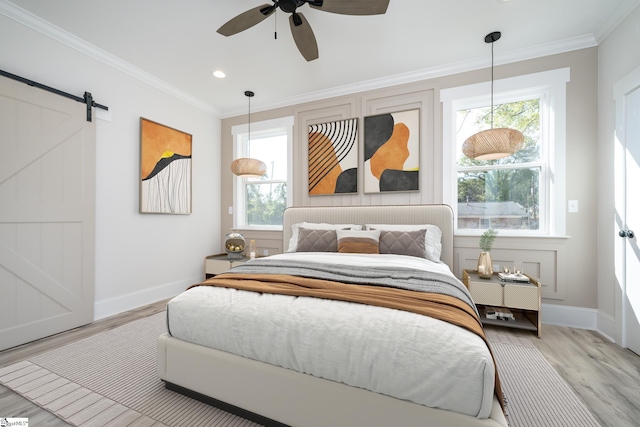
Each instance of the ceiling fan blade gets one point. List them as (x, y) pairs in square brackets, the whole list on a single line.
[(303, 36), (246, 20), (352, 7)]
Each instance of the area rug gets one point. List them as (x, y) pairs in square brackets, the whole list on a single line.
[(110, 380)]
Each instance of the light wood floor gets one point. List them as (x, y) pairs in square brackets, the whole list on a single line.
[(604, 375)]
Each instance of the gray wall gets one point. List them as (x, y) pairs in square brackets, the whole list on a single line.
[(565, 265)]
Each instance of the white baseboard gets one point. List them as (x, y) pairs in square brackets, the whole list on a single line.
[(607, 326), (573, 317), (110, 306)]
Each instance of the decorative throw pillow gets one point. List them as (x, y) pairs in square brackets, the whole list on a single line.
[(310, 240), (432, 240), (403, 243), (359, 242), (293, 241)]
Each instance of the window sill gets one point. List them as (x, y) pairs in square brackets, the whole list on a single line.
[(510, 236), (258, 228)]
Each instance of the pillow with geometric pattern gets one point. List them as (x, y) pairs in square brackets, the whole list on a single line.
[(409, 243), (432, 238), (310, 240)]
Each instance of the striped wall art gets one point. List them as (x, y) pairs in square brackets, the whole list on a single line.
[(333, 158)]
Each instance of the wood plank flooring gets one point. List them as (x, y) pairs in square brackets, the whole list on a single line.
[(604, 375)]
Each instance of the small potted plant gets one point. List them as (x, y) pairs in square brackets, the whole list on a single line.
[(485, 265)]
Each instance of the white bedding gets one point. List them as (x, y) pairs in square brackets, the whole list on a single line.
[(397, 353)]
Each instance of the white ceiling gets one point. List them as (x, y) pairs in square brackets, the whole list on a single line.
[(176, 42)]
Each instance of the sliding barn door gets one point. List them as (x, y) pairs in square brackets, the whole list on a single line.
[(47, 214)]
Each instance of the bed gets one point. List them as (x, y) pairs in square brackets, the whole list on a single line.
[(341, 377)]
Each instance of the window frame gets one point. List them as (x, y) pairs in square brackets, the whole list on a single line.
[(550, 88), (240, 133)]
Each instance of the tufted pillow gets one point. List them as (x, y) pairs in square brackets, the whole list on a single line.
[(310, 240), (359, 242), (403, 243), (432, 239), (293, 241)]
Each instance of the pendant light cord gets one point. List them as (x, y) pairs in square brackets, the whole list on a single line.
[(249, 94), (492, 85)]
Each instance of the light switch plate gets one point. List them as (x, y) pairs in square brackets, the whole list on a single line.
[(573, 206)]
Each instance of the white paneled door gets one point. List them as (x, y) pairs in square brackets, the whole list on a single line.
[(47, 214), (628, 205)]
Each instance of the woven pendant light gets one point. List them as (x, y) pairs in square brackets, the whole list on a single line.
[(493, 143), (247, 167)]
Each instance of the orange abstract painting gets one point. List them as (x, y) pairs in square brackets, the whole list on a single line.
[(392, 152), (165, 169)]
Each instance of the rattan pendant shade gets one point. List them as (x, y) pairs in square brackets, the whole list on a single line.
[(496, 143), (246, 167), (493, 144)]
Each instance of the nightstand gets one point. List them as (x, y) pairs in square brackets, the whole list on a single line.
[(522, 299), (216, 264)]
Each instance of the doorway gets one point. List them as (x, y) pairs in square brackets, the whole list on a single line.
[(627, 97), (47, 219)]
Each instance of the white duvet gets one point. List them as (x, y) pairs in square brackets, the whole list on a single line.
[(397, 353)]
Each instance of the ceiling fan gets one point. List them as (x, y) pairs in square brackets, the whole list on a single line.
[(300, 28)]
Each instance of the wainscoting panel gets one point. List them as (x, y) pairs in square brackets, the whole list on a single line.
[(389, 100), (541, 258), (316, 113)]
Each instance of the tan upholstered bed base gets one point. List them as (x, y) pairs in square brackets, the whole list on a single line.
[(301, 400), (293, 398)]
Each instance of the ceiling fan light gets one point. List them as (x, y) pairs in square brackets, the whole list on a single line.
[(493, 144), (246, 167)]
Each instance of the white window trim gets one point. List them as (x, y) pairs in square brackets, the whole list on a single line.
[(239, 150), (553, 83)]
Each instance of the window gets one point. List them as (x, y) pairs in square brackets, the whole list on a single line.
[(259, 203), (522, 194)]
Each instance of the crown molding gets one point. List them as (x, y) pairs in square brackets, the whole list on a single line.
[(619, 14), (590, 40), (537, 51), (38, 24)]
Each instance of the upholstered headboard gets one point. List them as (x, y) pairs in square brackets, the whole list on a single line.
[(440, 215)]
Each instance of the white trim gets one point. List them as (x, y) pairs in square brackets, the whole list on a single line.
[(606, 326), (573, 317), (537, 51), (36, 23), (553, 83), (545, 49), (111, 306), (238, 151), (621, 89)]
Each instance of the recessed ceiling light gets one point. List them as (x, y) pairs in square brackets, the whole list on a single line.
[(219, 74)]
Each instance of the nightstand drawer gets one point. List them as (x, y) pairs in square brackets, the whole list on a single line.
[(216, 266), (522, 296), (489, 293)]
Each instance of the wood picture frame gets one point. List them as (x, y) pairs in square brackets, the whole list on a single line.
[(392, 152), (333, 158), (165, 169)]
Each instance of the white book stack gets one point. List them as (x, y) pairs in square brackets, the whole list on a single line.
[(513, 277), (499, 313)]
